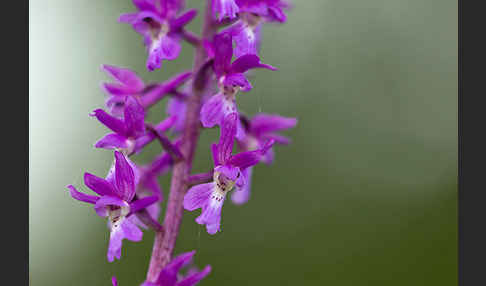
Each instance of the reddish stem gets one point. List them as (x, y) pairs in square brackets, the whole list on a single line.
[(164, 242)]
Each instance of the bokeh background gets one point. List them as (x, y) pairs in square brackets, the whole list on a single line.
[(365, 195)]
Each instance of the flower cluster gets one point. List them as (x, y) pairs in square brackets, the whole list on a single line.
[(129, 196)]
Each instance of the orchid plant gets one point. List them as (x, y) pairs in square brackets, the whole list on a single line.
[(129, 196)]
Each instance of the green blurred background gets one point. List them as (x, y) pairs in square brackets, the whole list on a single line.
[(365, 195)]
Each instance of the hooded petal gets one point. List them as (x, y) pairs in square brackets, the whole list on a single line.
[(265, 123), (134, 117), (224, 9), (80, 196), (168, 275), (227, 137), (230, 172), (242, 194), (99, 185), (247, 62), (101, 206), (194, 278), (126, 76), (198, 196), (112, 141), (124, 178), (237, 79), (109, 121)]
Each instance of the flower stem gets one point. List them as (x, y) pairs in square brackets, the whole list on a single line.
[(164, 242)]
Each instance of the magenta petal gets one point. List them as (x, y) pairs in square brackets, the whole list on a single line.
[(145, 5), (117, 89), (131, 231), (212, 111), (198, 196), (246, 159), (237, 79), (183, 19), (154, 58), (223, 51), (109, 121), (277, 14), (134, 117), (105, 201), (100, 186), (264, 123), (125, 76), (113, 281), (211, 215), (169, 48), (112, 141), (80, 196), (168, 275), (194, 278), (177, 107), (247, 41), (214, 153), (226, 140), (140, 204), (124, 177), (224, 9), (247, 62), (115, 245), (242, 194)]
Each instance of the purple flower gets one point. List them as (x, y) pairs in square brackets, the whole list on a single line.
[(126, 131), (129, 132), (231, 79), (246, 31), (227, 174), (224, 9), (169, 274), (128, 83), (260, 129), (270, 10), (161, 27), (115, 201), (113, 281)]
